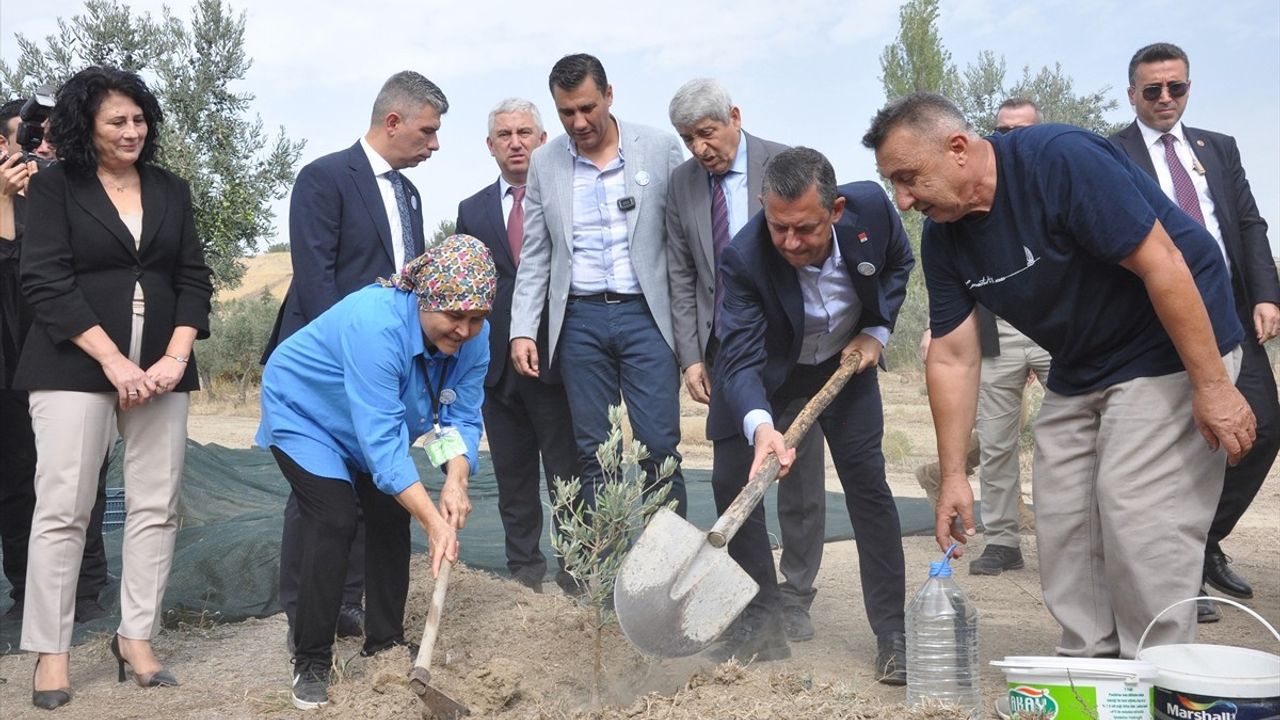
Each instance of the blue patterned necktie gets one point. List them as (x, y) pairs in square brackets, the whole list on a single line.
[(406, 222)]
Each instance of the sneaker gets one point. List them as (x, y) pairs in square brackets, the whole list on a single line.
[(350, 620), (412, 647), (310, 684), (796, 623), (757, 636), (996, 559)]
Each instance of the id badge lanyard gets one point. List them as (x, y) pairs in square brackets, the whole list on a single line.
[(437, 394)]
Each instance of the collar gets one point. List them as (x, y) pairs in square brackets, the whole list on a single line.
[(573, 149), (739, 160), (504, 187), (1151, 136), (377, 162)]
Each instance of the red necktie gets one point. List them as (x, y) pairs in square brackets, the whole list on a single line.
[(515, 222), (1184, 191)]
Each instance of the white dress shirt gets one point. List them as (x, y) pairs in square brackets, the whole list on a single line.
[(380, 169), (1183, 150)]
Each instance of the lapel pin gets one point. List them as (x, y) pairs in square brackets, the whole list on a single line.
[(413, 201), (1200, 143), (448, 396), (642, 178), (866, 268), (862, 237)]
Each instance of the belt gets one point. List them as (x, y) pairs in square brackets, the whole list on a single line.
[(609, 298)]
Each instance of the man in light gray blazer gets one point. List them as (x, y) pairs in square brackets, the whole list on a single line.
[(709, 198), (594, 255)]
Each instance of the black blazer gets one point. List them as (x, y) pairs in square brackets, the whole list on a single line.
[(761, 321), (481, 217), (1244, 232), (79, 266), (339, 237)]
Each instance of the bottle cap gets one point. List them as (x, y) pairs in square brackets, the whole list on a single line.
[(940, 568)]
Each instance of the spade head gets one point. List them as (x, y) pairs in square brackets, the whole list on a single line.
[(675, 593), (436, 705)]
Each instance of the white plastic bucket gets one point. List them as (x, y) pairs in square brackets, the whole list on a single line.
[(1066, 688), (1213, 682)]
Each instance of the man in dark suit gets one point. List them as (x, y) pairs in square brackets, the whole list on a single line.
[(523, 416), (352, 219), (1201, 172), (820, 273), (709, 198)]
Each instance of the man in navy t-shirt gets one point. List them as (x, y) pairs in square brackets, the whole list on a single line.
[(1056, 231)]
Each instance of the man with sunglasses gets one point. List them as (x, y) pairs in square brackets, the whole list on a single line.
[(1201, 172)]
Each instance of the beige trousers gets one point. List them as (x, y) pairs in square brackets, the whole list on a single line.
[(1125, 489), (73, 432)]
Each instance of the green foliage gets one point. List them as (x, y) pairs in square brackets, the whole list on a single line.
[(896, 447), (209, 137), (278, 247), (594, 541), (917, 61), (238, 331), (443, 230)]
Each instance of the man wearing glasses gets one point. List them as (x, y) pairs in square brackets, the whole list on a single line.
[(1201, 172)]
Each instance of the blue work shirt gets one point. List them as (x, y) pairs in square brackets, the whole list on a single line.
[(348, 392)]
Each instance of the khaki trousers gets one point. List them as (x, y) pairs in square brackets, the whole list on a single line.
[(73, 431), (1125, 489)]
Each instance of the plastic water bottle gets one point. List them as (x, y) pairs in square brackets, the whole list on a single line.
[(942, 643)]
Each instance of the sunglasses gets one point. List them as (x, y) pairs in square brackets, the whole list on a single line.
[(1177, 89)]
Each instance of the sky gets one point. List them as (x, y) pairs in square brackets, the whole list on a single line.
[(803, 72)]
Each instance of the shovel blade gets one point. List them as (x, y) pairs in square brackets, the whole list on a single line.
[(675, 593), (436, 705)]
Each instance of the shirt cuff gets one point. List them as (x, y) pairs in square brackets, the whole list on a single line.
[(880, 333), (399, 477), (753, 420)]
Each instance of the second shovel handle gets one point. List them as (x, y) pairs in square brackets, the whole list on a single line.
[(432, 627), (727, 526)]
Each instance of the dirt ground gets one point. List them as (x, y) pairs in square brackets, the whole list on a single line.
[(509, 653)]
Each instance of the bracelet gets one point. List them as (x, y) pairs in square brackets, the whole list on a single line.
[(175, 357)]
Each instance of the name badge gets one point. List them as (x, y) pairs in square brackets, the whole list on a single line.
[(443, 445)]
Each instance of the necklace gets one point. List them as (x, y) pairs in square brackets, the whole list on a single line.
[(117, 186)]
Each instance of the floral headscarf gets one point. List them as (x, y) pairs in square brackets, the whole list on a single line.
[(456, 274)]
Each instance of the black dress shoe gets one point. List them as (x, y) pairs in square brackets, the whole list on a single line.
[(1220, 576), (88, 609), (757, 635), (350, 621), (891, 659), (1207, 611)]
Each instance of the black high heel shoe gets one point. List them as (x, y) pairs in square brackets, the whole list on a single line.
[(159, 678), (48, 699)]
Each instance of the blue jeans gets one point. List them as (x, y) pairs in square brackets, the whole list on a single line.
[(608, 350)]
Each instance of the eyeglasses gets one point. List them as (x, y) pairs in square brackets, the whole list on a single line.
[(1177, 89)]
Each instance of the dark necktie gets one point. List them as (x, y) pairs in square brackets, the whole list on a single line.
[(406, 222), (1184, 191), (719, 232), (515, 222)]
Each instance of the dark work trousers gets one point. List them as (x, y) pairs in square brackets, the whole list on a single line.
[(853, 425), (1241, 483), (353, 587), (802, 506), (18, 502), (610, 351), (524, 417), (328, 510)]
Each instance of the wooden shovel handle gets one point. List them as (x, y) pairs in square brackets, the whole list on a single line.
[(433, 618), (727, 526)]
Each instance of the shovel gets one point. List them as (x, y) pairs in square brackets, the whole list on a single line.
[(438, 705), (678, 589)]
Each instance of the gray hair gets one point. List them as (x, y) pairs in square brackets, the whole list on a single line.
[(515, 105), (921, 111), (791, 173), (699, 99), (405, 93)]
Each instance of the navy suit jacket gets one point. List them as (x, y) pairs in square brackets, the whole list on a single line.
[(339, 237), (481, 217), (1244, 232), (761, 320)]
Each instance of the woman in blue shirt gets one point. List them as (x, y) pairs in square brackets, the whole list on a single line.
[(342, 401)]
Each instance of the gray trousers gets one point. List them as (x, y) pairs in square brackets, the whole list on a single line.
[(1125, 490), (1004, 382)]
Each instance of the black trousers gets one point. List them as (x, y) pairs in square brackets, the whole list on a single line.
[(290, 549), (1242, 482), (18, 502), (853, 425), (524, 418), (328, 510)]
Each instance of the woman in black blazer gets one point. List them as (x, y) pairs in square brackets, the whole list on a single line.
[(115, 276)]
